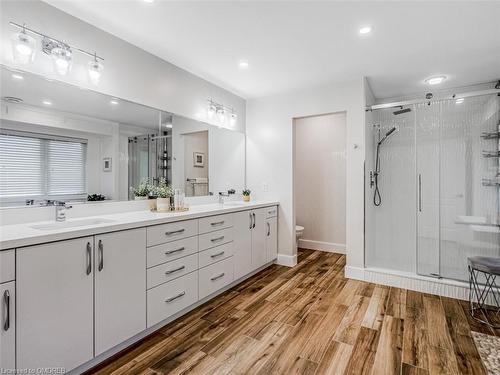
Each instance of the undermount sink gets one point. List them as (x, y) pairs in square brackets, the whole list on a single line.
[(235, 204), (71, 224)]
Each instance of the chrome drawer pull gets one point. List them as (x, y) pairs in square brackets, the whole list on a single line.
[(89, 258), (6, 301), (175, 270), (217, 239), (100, 266), (175, 297), (217, 223), (174, 232), (217, 255), (271, 212), (217, 277), (175, 251)]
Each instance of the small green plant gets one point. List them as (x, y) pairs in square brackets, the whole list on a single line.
[(142, 190), (163, 190), (246, 192)]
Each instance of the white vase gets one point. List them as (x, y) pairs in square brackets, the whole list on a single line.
[(162, 204)]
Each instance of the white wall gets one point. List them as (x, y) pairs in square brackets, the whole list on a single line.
[(270, 155), (129, 72), (320, 180)]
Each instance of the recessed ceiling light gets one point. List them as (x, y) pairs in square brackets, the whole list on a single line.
[(243, 64), (435, 80), (17, 76), (459, 101), (113, 102), (47, 102), (365, 30)]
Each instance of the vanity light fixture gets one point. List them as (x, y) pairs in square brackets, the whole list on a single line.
[(95, 70), (436, 80), (47, 102), (223, 113), (211, 109), (232, 119), (23, 46), (61, 52)]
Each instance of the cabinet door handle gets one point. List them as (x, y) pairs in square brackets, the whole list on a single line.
[(175, 297), (89, 258), (253, 214), (175, 270), (268, 229), (6, 300), (218, 276), (217, 223), (217, 239), (251, 220), (217, 255), (101, 256), (271, 212), (419, 192), (174, 251), (174, 232)]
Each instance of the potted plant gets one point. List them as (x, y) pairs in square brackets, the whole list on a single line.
[(141, 192), (163, 194), (246, 195)]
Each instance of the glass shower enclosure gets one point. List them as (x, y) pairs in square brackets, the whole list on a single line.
[(439, 183)]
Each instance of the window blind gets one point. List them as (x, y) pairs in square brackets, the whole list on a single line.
[(41, 166)]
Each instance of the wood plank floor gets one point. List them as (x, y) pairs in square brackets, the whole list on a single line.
[(311, 320)]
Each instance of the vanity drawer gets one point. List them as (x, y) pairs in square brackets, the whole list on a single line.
[(271, 211), (213, 223), (215, 277), (171, 250), (171, 270), (216, 238), (172, 297), (7, 265), (159, 234), (215, 254)]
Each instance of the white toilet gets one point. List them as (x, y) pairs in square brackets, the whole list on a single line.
[(299, 231)]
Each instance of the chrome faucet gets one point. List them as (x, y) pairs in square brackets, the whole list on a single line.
[(61, 208), (223, 194)]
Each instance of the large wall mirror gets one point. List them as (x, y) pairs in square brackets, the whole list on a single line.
[(62, 142)]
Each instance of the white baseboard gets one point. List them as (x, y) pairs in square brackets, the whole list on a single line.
[(287, 260), (322, 246), (424, 284)]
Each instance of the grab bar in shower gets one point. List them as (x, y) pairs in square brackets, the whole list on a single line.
[(491, 154), (490, 135), (490, 182)]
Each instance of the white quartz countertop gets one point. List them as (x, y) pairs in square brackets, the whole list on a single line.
[(19, 235)]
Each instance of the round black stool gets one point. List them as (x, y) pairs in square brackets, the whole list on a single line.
[(483, 290)]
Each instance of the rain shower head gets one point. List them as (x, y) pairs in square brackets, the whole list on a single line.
[(401, 111)]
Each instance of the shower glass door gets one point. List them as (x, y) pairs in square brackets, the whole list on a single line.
[(456, 212)]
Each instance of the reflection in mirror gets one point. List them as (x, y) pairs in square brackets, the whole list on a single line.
[(62, 142)]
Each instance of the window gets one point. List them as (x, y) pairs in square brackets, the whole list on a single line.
[(37, 166)]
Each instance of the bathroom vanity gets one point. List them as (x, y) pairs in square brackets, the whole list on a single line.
[(76, 292)]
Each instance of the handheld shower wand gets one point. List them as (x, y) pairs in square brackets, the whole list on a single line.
[(377, 198)]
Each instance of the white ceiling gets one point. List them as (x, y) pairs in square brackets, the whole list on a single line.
[(290, 45)]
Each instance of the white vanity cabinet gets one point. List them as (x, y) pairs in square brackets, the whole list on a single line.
[(272, 238), (120, 287), (55, 308), (251, 241)]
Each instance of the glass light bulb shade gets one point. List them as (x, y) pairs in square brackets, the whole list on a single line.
[(232, 119), (23, 47), (95, 71), (62, 60), (221, 114), (211, 110)]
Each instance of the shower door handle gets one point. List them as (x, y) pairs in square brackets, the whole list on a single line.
[(419, 192)]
